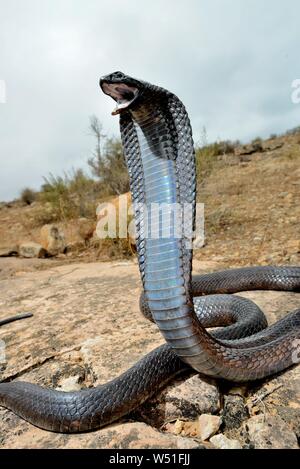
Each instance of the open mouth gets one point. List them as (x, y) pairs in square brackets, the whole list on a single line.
[(123, 94)]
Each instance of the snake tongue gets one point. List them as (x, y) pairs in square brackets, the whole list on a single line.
[(123, 94)]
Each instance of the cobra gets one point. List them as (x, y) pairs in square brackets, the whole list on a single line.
[(158, 147)]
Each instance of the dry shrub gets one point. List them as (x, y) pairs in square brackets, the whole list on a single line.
[(28, 195)]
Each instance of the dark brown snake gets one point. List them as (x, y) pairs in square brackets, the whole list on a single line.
[(158, 146)]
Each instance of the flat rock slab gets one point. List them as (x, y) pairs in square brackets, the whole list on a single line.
[(86, 330)]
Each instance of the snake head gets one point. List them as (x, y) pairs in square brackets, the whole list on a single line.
[(123, 89)]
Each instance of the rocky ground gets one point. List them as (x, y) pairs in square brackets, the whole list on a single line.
[(87, 329), (252, 206)]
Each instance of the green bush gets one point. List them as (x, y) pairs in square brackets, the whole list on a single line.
[(256, 140), (70, 196)]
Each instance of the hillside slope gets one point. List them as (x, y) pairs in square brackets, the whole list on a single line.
[(252, 211)]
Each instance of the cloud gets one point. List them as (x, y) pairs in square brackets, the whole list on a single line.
[(231, 62)]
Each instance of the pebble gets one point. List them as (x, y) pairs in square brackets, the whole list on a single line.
[(222, 442), (208, 425)]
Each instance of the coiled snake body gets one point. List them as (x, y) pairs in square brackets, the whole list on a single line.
[(158, 147)]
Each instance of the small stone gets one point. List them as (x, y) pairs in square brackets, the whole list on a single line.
[(294, 259), (289, 197), (31, 250), (222, 442), (208, 425), (282, 195), (178, 427), (69, 384), (190, 429)]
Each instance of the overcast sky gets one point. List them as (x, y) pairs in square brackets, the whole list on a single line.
[(232, 62)]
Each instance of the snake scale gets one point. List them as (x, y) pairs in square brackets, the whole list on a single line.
[(158, 147)]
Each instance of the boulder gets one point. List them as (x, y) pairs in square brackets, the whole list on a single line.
[(8, 251), (270, 431), (31, 249), (282, 395), (184, 399), (53, 239), (141, 436), (272, 146), (249, 149), (244, 151)]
